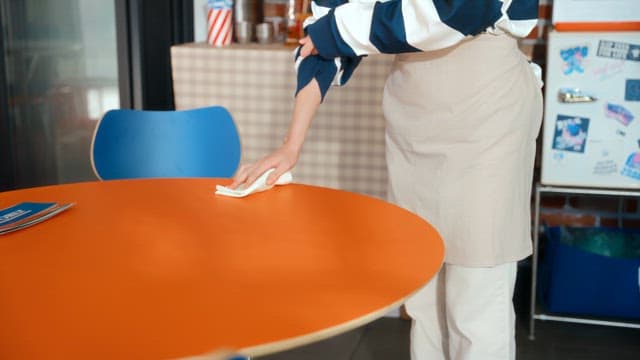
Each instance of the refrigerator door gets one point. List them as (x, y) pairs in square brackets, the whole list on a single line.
[(591, 131)]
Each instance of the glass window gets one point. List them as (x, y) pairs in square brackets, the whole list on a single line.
[(62, 74)]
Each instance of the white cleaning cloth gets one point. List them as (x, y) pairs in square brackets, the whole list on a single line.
[(259, 185)]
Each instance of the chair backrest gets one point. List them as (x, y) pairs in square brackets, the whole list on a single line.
[(150, 144)]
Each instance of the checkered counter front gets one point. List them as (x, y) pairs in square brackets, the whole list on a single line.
[(344, 148)]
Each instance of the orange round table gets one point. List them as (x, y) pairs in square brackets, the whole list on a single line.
[(146, 269)]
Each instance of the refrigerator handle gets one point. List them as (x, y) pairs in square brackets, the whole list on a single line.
[(574, 95)]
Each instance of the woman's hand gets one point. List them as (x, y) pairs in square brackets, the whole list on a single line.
[(285, 157), (282, 160), (308, 48)]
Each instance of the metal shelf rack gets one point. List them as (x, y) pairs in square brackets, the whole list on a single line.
[(539, 190)]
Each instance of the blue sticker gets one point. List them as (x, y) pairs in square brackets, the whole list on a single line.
[(558, 156), (632, 90), (632, 166), (571, 133), (22, 211), (618, 50), (619, 113), (573, 58)]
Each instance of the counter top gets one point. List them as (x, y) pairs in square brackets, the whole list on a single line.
[(237, 46)]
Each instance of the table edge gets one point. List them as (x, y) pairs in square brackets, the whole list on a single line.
[(316, 336)]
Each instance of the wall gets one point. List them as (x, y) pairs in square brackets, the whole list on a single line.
[(199, 20)]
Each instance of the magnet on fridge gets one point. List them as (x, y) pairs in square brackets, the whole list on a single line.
[(575, 95), (618, 50), (570, 133), (605, 167), (573, 58), (618, 112), (634, 52), (632, 90), (632, 166)]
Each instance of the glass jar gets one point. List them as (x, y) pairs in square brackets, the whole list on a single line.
[(275, 13), (297, 12)]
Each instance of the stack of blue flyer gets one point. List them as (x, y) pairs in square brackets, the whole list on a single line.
[(25, 214)]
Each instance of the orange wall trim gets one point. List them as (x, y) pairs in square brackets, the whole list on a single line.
[(598, 26)]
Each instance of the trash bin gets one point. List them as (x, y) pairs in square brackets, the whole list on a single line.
[(591, 271)]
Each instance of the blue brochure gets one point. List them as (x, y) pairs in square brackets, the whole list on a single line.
[(28, 213), (22, 211)]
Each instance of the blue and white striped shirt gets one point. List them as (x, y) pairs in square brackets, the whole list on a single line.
[(344, 31)]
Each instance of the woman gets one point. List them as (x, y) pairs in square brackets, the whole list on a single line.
[(463, 109)]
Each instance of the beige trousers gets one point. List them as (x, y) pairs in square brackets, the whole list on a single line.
[(465, 313)]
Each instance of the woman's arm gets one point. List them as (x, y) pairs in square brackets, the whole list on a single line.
[(284, 158)]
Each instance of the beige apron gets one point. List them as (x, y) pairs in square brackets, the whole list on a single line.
[(461, 129)]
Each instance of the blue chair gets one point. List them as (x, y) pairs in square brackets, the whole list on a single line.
[(161, 144)]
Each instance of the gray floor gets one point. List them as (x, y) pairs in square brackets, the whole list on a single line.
[(388, 339)]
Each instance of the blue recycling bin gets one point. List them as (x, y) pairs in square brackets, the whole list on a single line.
[(577, 280)]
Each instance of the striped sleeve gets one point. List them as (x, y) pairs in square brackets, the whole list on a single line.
[(352, 29), (397, 26), (326, 71)]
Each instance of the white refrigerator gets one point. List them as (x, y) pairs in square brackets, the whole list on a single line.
[(591, 129)]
